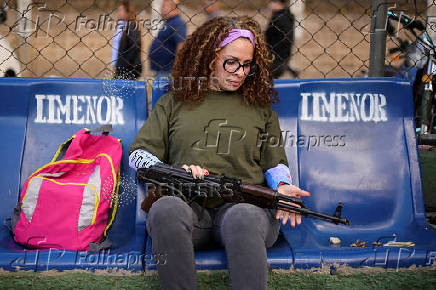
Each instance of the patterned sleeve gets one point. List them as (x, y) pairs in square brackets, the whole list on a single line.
[(142, 159)]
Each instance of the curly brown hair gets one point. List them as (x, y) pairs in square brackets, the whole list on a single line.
[(197, 56)]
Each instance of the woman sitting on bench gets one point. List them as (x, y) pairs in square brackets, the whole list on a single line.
[(215, 119)]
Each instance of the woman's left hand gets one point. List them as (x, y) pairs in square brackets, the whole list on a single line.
[(291, 190)]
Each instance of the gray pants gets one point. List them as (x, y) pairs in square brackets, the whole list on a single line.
[(244, 230)]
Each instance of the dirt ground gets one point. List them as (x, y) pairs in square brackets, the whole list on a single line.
[(332, 37), (331, 40)]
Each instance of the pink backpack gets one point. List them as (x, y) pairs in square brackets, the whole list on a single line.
[(70, 203)]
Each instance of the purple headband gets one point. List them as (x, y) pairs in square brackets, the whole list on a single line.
[(236, 33)]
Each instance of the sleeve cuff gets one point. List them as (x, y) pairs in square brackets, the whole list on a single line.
[(142, 159), (278, 175)]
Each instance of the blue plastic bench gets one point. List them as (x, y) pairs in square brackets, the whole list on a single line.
[(375, 172), (353, 141), (36, 116)]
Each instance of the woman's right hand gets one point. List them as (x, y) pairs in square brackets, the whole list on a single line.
[(197, 171)]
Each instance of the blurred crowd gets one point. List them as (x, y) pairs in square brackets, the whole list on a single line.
[(126, 46)]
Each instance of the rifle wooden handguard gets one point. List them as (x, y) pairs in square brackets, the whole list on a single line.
[(154, 192)]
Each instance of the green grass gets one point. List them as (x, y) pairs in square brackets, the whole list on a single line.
[(428, 167), (403, 279), (384, 280)]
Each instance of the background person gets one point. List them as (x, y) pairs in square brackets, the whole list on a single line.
[(169, 40), (280, 36), (126, 48), (212, 9)]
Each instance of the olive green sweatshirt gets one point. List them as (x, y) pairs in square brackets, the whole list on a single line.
[(220, 133)]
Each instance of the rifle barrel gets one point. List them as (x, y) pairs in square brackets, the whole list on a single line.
[(293, 199), (308, 212)]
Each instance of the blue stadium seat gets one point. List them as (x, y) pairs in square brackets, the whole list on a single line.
[(36, 116), (350, 141)]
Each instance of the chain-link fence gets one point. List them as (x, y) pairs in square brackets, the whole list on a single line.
[(406, 22), (65, 38)]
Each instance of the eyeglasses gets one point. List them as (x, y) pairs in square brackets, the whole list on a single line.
[(232, 65)]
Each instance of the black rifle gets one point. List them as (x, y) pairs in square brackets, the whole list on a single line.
[(164, 179)]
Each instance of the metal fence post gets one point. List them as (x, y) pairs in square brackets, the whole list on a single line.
[(377, 51)]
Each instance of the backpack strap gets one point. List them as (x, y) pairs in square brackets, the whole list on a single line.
[(105, 244), (104, 129), (12, 221), (15, 216), (8, 224), (60, 154)]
